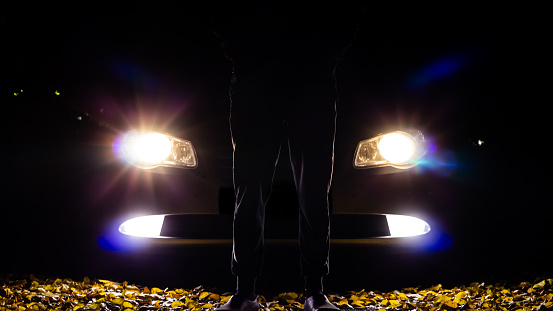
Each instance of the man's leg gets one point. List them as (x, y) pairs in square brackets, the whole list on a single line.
[(311, 142), (254, 166), (256, 137)]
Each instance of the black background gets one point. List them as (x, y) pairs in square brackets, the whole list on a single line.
[(85, 51)]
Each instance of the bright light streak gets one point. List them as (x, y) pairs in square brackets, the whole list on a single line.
[(396, 148), (405, 226), (144, 226)]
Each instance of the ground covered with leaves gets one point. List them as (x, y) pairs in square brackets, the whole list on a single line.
[(65, 294)]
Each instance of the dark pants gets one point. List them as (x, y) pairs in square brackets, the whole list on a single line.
[(266, 111)]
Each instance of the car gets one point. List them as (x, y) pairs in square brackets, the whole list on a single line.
[(76, 190)]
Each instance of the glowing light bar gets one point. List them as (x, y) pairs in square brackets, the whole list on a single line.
[(150, 150), (152, 226), (400, 149), (144, 226), (405, 226)]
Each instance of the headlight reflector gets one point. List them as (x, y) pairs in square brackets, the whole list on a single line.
[(400, 149), (150, 150)]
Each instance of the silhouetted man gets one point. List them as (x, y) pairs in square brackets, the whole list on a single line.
[(284, 56)]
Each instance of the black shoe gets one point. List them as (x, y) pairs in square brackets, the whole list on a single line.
[(237, 303), (318, 302)]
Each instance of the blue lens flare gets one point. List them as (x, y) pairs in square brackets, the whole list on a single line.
[(441, 243), (438, 161), (117, 147), (437, 70)]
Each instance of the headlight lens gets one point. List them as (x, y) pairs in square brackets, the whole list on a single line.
[(404, 226), (400, 149), (150, 150), (145, 226)]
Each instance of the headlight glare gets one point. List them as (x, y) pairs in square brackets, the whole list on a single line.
[(400, 149), (396, 148), (150, 150)]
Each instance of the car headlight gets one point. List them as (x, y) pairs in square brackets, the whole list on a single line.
[(400, 149), (150, 150)]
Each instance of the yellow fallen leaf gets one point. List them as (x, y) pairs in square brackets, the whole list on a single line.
[(214, 297), (343, 302), (174, 294), (156, 290), (180, 291), (288, 296), (225, 299), (353, 298), (118, 301), (203, 295), (441, 299), (207, 306), (358, 304), (127, 305), (177, 303), (297, 305), (539, 285), (460, 297), (276, 307)]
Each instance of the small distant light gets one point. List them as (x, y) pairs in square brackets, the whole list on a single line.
[(79, 118), (144, 226), (56, 92), (480, 142), (405, 226)]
